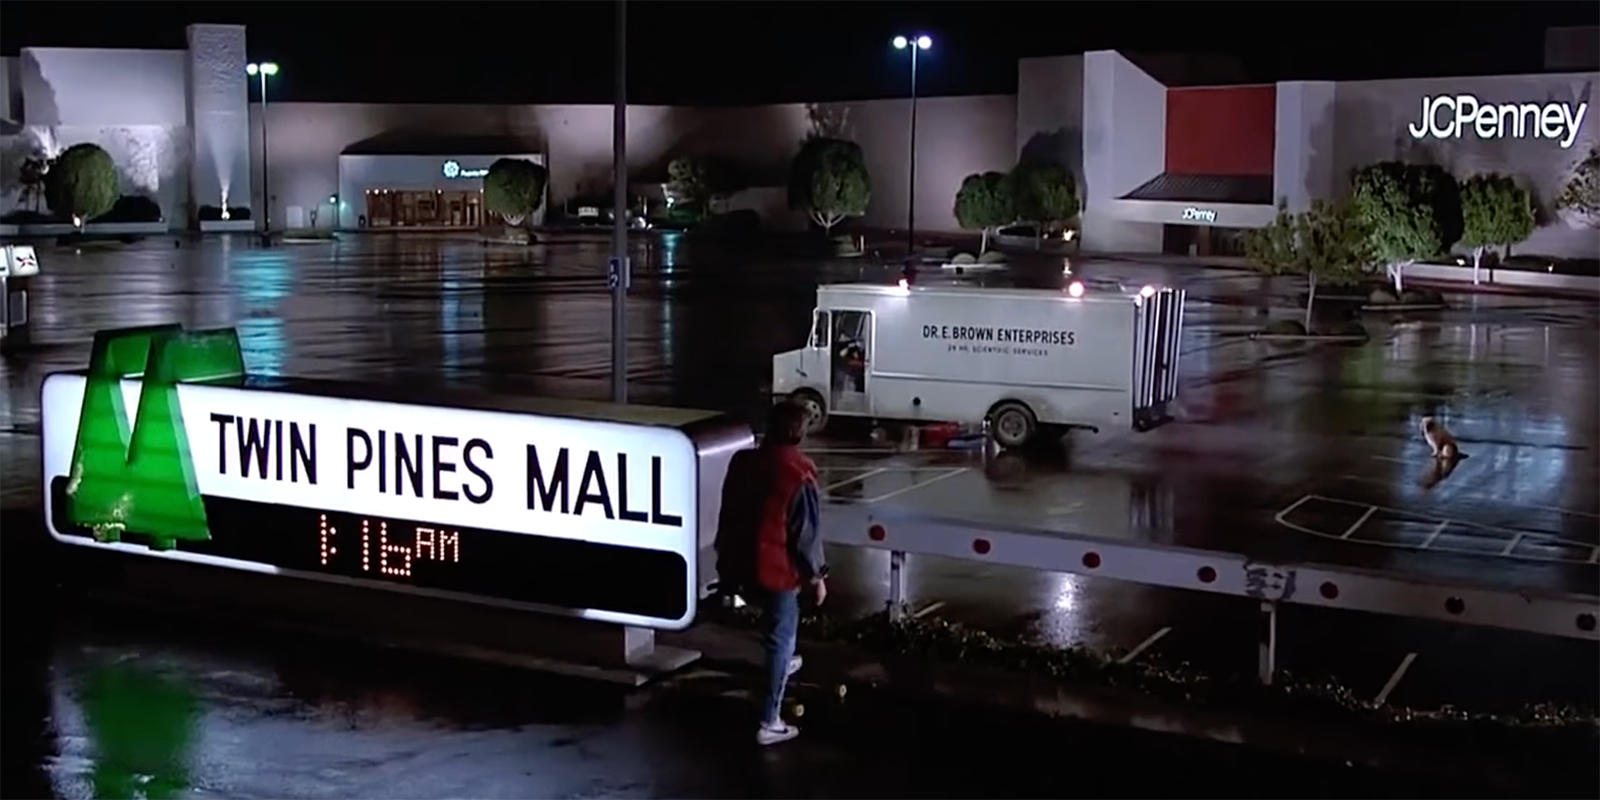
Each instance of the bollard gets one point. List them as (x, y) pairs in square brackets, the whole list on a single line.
[(897, 585), (1267, 643)]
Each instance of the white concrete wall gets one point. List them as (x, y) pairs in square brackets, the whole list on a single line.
[(1050, 112), (1372, 120), (102, 87), (133, 103), (1124, 145), (1302, 162), (218, 117), (10, 89), (957, 136), (357, 174)]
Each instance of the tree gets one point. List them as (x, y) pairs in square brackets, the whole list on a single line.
[(1411, 211), (688, 178), (33, 171), (1494, 211), (82, 183), (1328, 243), (828, 180), (1044, 194), (1579, 200), (514, 189), (984, 203)]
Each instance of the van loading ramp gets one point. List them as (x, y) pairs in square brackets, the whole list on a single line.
[(1364, 511)]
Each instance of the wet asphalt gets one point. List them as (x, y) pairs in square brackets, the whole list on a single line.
[(1278, 450)]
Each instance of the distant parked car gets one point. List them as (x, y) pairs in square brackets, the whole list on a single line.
[(1026, 235), (598, 211)]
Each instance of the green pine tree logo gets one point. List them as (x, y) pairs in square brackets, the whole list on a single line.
[(141, 479)]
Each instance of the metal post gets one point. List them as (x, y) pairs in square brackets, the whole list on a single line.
[(911, 180), (1267, 661), (266, 193), (620, 268), (897, 585)]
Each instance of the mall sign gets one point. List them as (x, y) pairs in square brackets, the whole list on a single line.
[(1452, 116), (452, 169)]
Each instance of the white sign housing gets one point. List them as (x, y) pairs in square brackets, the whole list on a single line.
[(629, 483), (1452, 116)]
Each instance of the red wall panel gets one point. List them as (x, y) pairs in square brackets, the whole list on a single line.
[(1224, 131)]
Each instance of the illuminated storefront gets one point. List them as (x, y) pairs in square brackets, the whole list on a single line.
[(416, 191)]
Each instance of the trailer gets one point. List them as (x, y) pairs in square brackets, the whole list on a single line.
[(1029, 361)]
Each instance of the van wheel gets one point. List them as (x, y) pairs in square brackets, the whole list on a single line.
[(815, 410), (1012, 424)]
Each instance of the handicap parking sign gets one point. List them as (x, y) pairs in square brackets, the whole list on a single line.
[(19, 261)]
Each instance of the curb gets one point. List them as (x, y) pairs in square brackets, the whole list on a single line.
[(1307, 337), (1468, 287), (1404, 307), (1457, 755)]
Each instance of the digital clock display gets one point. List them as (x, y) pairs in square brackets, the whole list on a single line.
[(514, 567)]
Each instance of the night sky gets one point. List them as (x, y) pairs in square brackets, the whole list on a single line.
[(731, 52)]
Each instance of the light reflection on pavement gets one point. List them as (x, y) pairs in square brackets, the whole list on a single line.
[(1277, 450)]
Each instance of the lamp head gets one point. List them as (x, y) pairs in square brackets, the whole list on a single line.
[(899, 43), (924, 42)]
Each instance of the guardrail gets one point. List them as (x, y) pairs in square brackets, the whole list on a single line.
[(902, 532), (1499, 276)]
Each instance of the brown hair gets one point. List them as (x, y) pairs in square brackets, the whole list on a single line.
[(786, 424)]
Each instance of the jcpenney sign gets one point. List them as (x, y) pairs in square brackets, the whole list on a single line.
[(1450, 117)]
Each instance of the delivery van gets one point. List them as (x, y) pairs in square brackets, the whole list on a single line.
[(1030, 361)]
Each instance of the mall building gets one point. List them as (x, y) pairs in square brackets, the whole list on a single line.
[(1172, 153)]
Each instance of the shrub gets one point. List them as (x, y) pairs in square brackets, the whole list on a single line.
[(23, 216), (514, 189), (82, 182), (743, 221), (132, 208), (213, 213), (1381, 297), (992, 257), (1285, 327), (963, 258)]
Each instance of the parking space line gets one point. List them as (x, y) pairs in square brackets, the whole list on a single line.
[(1434, 535), (1287, 511), (1594, 557), (1478, 529), (1144, 645), (1478, 496), (1512, 545), (929, 609), (847, 481), (1394, 679), (902, 490), (1365, 515)]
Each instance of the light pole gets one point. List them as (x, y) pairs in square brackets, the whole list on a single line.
[(264, 70), (922, 42), (620, 269)]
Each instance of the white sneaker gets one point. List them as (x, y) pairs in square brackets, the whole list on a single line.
[(776, 732), (795, 664)]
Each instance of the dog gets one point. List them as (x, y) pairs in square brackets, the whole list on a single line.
[(1441, 440)]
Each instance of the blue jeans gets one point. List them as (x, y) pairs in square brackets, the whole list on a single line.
[(780, 624)]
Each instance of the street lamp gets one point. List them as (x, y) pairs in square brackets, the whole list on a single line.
[(264, 70), (621, 270), (922, 42)]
